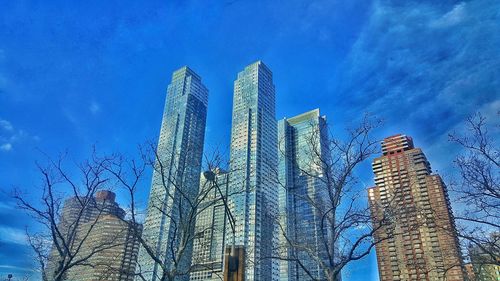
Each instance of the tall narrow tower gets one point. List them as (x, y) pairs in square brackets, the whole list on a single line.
[(253, 187), (177, 173), (420, 243), (303, 145)]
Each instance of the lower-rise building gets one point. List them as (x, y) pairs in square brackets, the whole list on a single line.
[(485, 259), (107, 244)]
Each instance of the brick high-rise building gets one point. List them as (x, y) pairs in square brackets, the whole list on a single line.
[(420, 242)]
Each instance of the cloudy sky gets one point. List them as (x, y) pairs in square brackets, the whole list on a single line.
[(95, 72)]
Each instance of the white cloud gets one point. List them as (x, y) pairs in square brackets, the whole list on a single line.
[(451, 18), (94, 107), (6, 147), (6, 125), (70, 116), (17, 268), (9, 135), (13, 235), (5, 207), (416, 62)]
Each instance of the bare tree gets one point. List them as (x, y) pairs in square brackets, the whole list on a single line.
[(329, 201), (62, 242), (67, 241), (179, 203), (478, 189), (40, 248)]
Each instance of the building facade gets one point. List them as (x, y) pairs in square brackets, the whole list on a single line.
[(210, 229), (303, 144), (108, 243), (485, 259), (178, 166), (418, 237), (253, 162)]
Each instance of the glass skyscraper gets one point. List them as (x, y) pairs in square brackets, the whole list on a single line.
[(180, 149), (210, 229), (253, 161), (303, 144)]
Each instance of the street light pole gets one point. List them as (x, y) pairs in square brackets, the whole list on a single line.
[(210, 175)]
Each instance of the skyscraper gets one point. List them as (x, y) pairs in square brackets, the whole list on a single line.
[(303, 143), (420, 243), (177, 173), (107, 242), (210, 229), (253, 162)]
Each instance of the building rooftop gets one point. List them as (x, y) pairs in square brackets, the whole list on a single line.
[(310, 115), (185, 70), (105, 195), (396, 144)]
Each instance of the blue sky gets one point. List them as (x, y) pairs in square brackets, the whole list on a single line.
[(77, 74)]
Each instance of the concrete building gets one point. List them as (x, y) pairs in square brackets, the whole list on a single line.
[(420, 243), (485, 259), (179, 150)]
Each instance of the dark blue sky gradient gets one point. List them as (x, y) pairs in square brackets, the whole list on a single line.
[(95, 72)]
